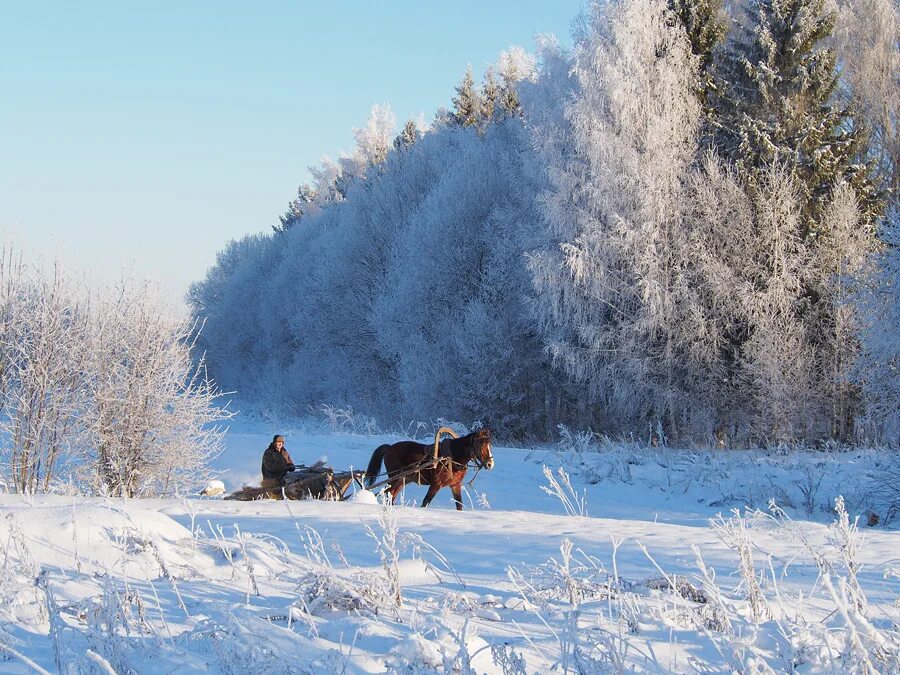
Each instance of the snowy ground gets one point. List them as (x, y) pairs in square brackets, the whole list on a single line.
[(644, 582)]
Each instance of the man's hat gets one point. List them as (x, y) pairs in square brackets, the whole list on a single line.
[(278, 437)]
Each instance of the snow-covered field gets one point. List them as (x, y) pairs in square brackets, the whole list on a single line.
[(649, 580)]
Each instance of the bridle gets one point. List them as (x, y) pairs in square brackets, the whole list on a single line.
[(478, 457)]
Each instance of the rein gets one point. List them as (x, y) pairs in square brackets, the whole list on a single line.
[(478, 468)]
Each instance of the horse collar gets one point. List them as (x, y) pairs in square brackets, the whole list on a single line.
[(444, 449)]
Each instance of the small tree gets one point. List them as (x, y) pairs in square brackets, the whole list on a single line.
[(490, 96), (153, 410), (514, 65), (408, 136), (467, 103), (373, 142), (43, 350)]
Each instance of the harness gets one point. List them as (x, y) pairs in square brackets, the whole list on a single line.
[(441, 453)]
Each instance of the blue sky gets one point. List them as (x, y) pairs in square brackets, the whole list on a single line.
[(145, 136)]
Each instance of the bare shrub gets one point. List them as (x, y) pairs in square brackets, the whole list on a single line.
[(733, 533), (154, 413), (347, 421), (561, 488), (101, 386), (387, 545), (884, 490), (44, 337)]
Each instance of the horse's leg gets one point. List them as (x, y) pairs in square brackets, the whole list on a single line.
[(432, 491), (394, 487), (456, 489)]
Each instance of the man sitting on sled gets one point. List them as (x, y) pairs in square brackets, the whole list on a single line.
[(276, 463), (281, 479)]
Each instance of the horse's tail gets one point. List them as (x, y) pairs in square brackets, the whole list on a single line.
[(375, 464)]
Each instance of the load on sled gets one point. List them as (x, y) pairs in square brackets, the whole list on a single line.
[(281, 479), (304, 482)]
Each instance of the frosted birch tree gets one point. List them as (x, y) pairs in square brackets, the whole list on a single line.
[(44, 347), (868, 49), (878, 368), (153, 413), (373, 142), (616, 299)]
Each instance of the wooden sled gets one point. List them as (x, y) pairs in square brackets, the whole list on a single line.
[(306, 482)]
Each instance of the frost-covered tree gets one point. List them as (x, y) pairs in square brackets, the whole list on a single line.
[(878, 368), (786, 364), (153, 411), (706, 25), (44, 328), (373, 142), (776, 103), (865, 39), (297, 208), (490, 96), (467, 102), (774, 369), (841, 256), (615, 294), (514, 66), (329, 183), (407, 136)]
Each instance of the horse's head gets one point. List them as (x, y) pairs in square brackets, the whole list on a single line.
[(481, 444)]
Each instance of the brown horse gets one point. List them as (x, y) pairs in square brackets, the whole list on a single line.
[(454, 456)]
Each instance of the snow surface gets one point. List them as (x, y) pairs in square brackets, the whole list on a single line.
[(206, 585)]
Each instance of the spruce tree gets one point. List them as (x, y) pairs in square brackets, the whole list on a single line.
[(776, 104), (467, 103), (509, 97), (705, 25), (513, 65), (408, 136), (490, 96), (296, 208)]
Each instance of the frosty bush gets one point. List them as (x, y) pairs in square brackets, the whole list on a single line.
[(152, 415), (44, 357), (884, 487), (561, 488), (99, 386), (347, 421)]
